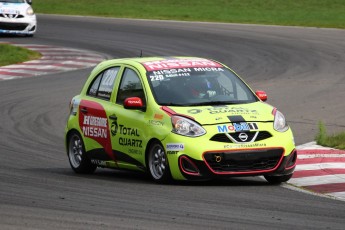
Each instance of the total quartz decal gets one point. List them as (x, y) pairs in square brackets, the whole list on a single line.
[(129, 136)]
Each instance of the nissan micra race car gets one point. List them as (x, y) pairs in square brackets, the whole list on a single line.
[(17, 17), (182, 118)]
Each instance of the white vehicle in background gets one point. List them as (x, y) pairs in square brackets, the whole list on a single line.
[(17, 17)]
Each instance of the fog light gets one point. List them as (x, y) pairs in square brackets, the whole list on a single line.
[(187, 166)]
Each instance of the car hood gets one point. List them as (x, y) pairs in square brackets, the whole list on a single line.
[(208, 115), (13, 8)]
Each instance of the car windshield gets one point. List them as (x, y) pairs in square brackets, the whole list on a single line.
[(13, 1), (193, 86)]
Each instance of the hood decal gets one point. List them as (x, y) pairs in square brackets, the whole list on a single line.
[(235, 119)]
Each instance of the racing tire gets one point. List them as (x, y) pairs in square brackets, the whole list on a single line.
[(78, 160), (278, 179), (158, 163)]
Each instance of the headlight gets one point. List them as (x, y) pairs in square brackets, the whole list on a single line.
[(279, 122), (30, 11), (186, 127)]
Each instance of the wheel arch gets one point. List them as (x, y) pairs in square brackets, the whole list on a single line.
[(68, 135), (147, 149)]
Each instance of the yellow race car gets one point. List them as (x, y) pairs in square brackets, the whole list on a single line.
[(182, 118)]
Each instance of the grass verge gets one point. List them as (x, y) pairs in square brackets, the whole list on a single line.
[(314, 13), (334, 141), (13, 54)]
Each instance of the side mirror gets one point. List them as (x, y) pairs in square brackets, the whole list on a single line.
[(261, 95), (29, 2), (134, 103)]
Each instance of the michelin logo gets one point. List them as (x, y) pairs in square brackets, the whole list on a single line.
[(175, 146)]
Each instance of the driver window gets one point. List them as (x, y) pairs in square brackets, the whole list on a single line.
[(130, 87)]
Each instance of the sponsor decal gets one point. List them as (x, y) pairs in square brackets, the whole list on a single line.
[(194, 111), (135, 151), (158, 116), (155, 74), (237, 127), (130, 142), (169, 73), (232, 110), (95, 126), (99, 162), (114, 126), (208, 69), (93, 123), (9, 11), (250, 145), (175, 146), (156, 123), (134, 102), (226, 109), (179, 64), (172, 152), (129, 133)]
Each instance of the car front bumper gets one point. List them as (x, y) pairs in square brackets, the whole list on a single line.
[(202, 158), (254, 162), (27, 25)]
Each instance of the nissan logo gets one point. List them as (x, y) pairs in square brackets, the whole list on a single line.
[(243, 136)]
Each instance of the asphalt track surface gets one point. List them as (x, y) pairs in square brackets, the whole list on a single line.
[(302, 70)]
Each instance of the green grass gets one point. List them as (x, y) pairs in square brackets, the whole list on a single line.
[(12, 54), (314, 13), (335, 141)]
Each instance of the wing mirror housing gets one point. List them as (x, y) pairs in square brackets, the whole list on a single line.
[(29, 2), (134, 103), (262, 95)]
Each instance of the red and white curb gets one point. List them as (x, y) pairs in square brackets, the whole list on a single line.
[(320, 170), (54, 60)]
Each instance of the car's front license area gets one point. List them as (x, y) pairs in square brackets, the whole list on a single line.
[(18, 26), (206, 157)]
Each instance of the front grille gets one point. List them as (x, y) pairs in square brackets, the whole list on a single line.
[(222, 137), (244, 161), (11, 16), (13, 26)]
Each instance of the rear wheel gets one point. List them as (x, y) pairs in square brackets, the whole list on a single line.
[(78, 160), (158, 163), (278, 179)]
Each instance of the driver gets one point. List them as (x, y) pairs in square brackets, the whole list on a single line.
[(201, 88)]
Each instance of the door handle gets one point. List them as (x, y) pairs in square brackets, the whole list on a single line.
[(113, 117), (83, 110)]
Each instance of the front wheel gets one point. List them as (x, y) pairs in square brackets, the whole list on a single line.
[(278, 179), (158, 163), (78, 160)]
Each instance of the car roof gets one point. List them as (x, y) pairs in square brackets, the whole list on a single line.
[(159, 58)]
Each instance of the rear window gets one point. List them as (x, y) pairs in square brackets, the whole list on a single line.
[(102, 86)]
